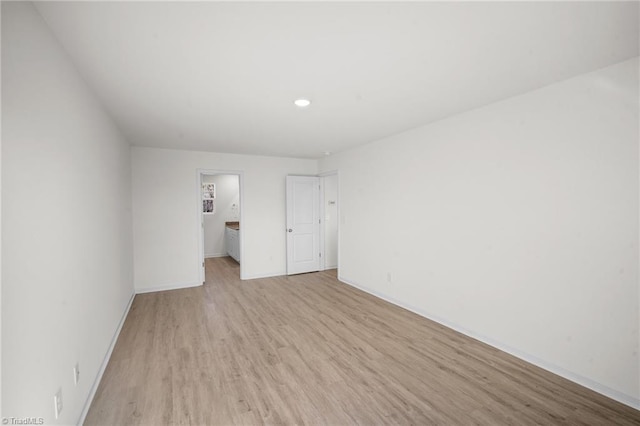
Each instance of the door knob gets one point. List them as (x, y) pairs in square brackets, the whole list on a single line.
[(290, 230)]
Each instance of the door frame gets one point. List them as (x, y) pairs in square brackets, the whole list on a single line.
[(200, 216), (323, 262)]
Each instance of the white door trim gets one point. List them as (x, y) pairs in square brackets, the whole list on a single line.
[(322, 226), (200, 216), (323, 261)]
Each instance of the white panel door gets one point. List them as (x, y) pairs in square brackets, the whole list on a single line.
[(303, 224)]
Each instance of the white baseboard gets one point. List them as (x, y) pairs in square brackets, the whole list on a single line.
[(207, 256), (257, 276), (105, 361), (531, 359), (167, 287)]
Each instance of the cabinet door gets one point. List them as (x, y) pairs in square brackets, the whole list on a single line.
[(236, 246), (228, 240), (232, 241)]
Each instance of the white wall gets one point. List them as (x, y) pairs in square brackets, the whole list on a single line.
[(67, 273), (165, 215), (227, 210), (516, 222), (0, 240), (330, 198)]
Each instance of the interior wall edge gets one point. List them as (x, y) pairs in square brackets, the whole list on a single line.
[(167, 287), (105, 362), (257, 276), (600, 388)]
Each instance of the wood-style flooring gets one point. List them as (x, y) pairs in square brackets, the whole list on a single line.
[(310, 350)]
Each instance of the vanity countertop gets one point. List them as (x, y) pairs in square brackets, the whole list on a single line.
[(233, 225)]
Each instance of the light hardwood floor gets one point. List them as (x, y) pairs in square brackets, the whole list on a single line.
[(310, 350)]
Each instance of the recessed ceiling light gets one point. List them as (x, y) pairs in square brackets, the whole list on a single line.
[(302, 103)]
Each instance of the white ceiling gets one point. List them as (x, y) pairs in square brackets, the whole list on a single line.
[(223, 76)]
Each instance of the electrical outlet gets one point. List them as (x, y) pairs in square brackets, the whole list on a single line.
[(76, 374), (57, 401)]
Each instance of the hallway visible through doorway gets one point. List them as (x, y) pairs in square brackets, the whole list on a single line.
[(221, 211)]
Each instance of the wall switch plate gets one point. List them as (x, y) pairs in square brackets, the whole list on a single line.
[(76, 374), (57, 401)]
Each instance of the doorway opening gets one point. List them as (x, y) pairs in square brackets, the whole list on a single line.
[(220, 204)]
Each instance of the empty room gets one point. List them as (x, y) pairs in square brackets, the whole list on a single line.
[(320, 213)]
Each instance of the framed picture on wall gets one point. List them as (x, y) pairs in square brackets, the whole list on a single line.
[(208, 206), (208, 198), (208, 191)]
